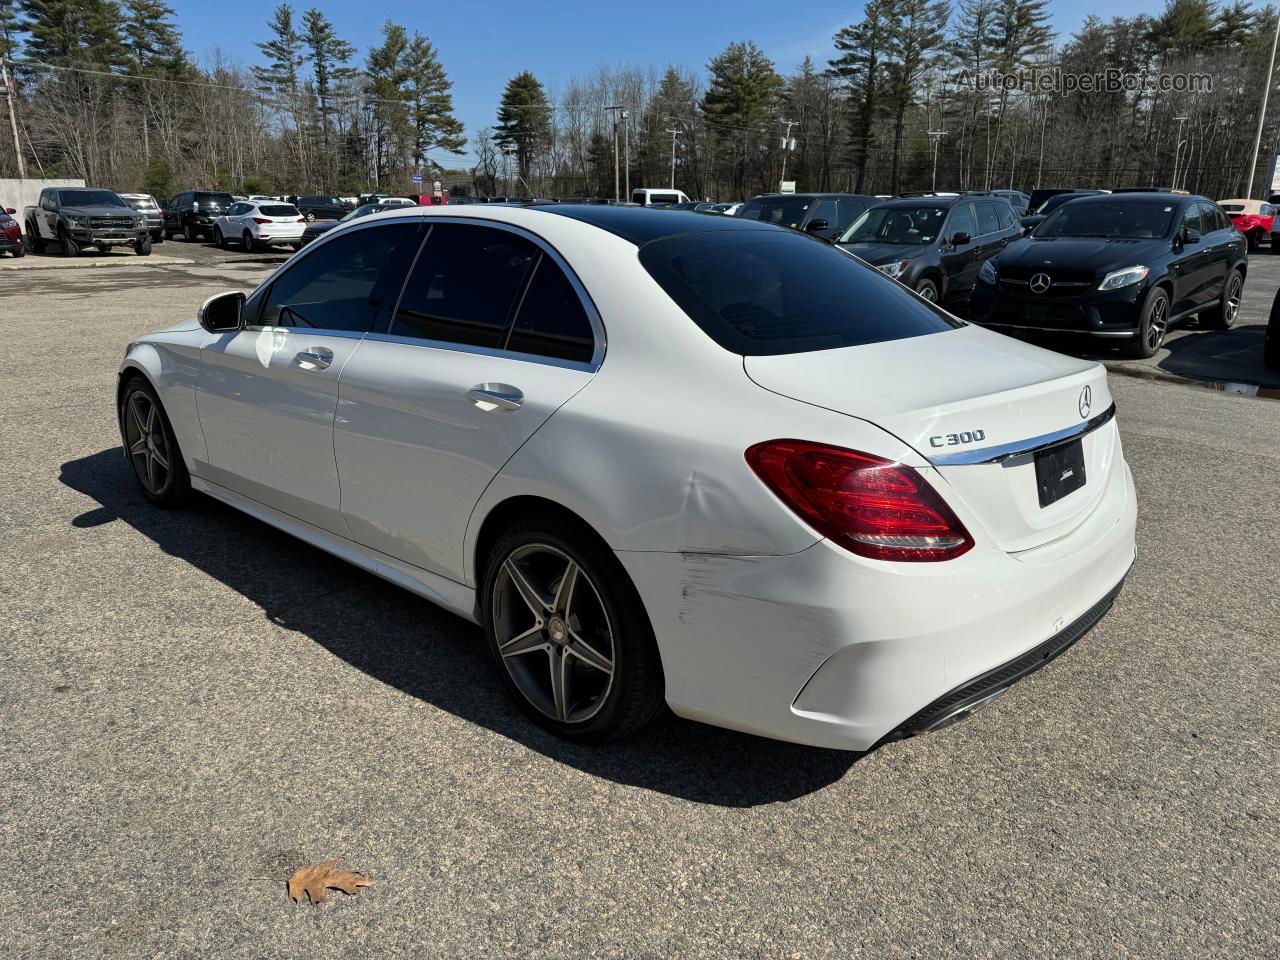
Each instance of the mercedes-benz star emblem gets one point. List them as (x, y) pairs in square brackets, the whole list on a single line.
[(1086, 402), (1040, 283)]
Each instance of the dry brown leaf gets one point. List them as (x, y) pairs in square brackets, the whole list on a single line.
[(316, 881)]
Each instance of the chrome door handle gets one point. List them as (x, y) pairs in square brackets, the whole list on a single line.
[(315, 357), (495, 396)]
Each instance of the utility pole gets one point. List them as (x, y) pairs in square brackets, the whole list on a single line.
[(674, 134), (1177, 153), (10, 96), (610, 110), (626, 148), (1262, 111), (787, 146), (936, 136)]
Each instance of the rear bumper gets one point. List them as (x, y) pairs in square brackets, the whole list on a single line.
[(826, 648)]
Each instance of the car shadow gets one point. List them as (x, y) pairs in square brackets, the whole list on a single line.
[(1229, 356), (407, 643)]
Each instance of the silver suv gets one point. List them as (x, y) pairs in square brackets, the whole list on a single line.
[(146, 205)]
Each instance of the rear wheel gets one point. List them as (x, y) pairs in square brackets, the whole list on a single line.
[(19, 251), (1253, 237), (150, 446), (248, 242), (928, 289), (33, 239), (1153, 324), (310, 217), (568, 632), (188, 234), (1223, 316)]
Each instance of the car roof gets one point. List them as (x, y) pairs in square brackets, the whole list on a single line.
[(641, 225), (930, 200), (1137, 197)]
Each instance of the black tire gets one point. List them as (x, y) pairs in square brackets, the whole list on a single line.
[(1275, 243), (219, 238), (19, 251), (188, 234), (69, 247), (247, 240), (632, 694), (928, 289), (170, 484), (1155, 311), (1223, 316), (1271, 342), (158, 238), (311, 217), (33, 239), (143, 247), (1252, 238)]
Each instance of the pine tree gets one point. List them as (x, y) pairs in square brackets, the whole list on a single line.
[(916, 29), (329, 55), (388, 72), (63, 30), (1237, 23), (863, 47), (152, 42), (283, 52), (743, 91), (430, 103), (524, 122), (10, 26)]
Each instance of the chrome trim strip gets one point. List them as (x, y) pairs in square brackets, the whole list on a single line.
[(1087, 333), (481, 351), (1017, 448)]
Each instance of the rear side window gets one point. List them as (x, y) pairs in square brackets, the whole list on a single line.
[(988, 219), (464, 286), (332, 288), (551, 321), (765, 293), (850, 210)]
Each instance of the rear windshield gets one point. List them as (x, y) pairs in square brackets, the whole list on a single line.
[(1117, 219), (221, 199), (89, 198), (765, 293), (278, 210), (788, 211), (1232, 207), (141, 203)]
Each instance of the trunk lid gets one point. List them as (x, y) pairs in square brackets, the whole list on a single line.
[(960, 398)]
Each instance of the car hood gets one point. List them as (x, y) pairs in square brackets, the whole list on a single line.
[(316, 228), (1088, 254), (878, 253), (98, 210)]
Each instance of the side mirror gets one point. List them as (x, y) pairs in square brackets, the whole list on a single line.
[(1190, 236), (815, 226), (960, 239), (221, 312)]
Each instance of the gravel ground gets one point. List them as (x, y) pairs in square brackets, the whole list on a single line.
[(195, 706)]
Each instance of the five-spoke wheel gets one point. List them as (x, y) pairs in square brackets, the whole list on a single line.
[(150, 445)]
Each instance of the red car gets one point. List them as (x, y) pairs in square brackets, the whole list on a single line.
[(11, 233), (1253, 218)]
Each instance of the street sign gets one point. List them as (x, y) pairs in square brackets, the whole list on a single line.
[(417, 178), (788, 186)]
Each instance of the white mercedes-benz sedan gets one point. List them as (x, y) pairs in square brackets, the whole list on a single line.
[(658, 456)]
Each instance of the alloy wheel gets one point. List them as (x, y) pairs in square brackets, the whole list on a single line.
[(147, 444), (553, 633), (1232, 306), (1159, 323)]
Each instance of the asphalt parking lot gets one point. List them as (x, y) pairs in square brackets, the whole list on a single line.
[(196, 705)]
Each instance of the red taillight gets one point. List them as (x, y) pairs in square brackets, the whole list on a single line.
[(260, 220), (302, 219), (873, 507)]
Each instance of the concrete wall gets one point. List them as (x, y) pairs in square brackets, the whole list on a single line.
[(24, 193)]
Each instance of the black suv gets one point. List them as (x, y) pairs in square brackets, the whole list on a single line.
[(934, 245), (321, 207), (824, 215), (1122, 267), (192, 212)]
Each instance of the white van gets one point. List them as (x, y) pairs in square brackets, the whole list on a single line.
[(648, 196)]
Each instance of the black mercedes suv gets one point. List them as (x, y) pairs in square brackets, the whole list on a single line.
[(934, 245), (192, 212), (1118, 266)]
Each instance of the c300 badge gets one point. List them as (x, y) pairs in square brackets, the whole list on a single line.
[(956, 439)]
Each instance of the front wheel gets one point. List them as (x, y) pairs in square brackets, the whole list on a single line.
[(1153, 324), (219, 239), (19, 251), (928, 290), (143, 247), (568, 632), (69, 247), (1223, 316), (311, 217), (151, 447)]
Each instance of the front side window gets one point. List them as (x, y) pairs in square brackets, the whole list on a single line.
[(464, 285), (332, 288), (824, 209), (1193, 219), (760, 293), (961, 221), (551, 321)]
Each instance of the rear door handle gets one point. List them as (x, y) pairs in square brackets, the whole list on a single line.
[(495, 396), (317, 357)]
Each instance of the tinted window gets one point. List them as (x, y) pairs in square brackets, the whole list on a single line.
[(1209, 217), (273, 210), (1112, 218), (850, 210), (824, 209), (788, 211), (988, 219), (330, 288), (764, 293), (1008, 218), (551, 321), (961, 221), (897, 225), (90, 198), (214, 199), (464, 285), (1192, 220)]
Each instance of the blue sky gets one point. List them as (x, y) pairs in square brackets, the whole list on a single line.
[(483, 45)]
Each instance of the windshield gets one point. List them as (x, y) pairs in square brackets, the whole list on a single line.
[(1116, 219), (761, 293), (788, 211), (368, 208), (904, 226), (90, 198)]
